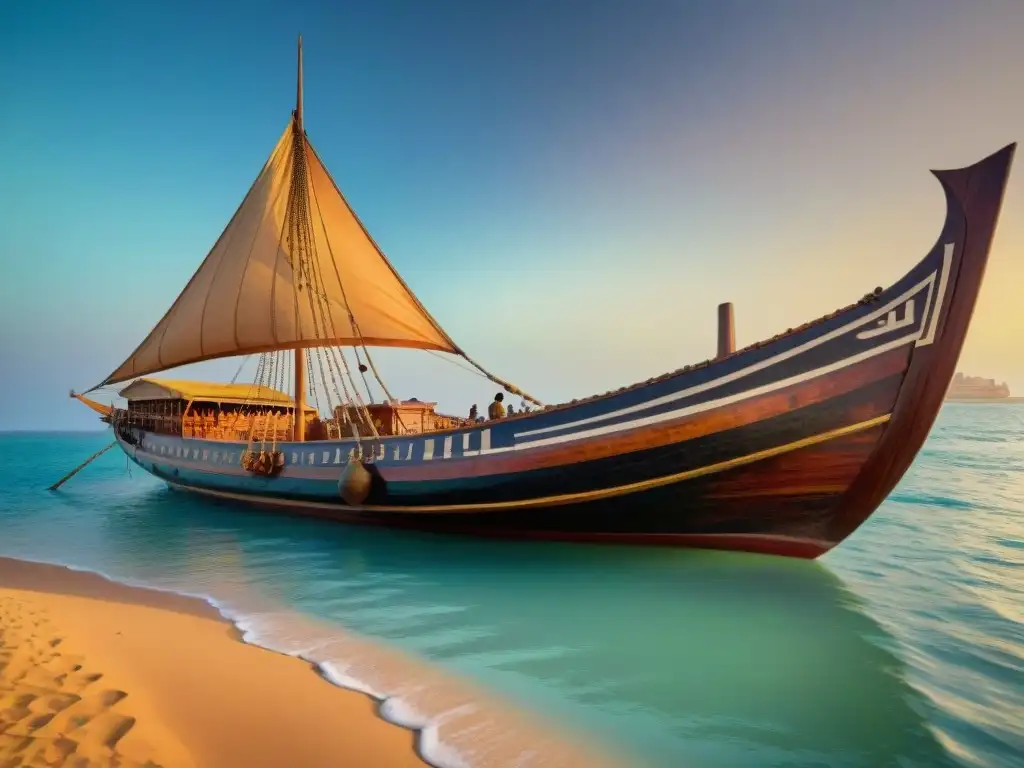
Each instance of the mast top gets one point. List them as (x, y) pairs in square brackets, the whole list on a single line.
[(298, 95)]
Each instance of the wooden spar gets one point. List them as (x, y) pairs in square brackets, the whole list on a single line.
[(103, 410), (81, 466), (300, 354)]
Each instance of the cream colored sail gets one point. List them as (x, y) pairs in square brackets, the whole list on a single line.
[(243, 297)]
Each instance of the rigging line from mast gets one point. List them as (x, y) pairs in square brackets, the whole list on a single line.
[(283, 357), (391, 398), (270, 382), (261, 366), (328, 313), (348, 307), (352, 320), (305, 247), (451, 361), (302, 383), (309, 268), (305, 378), (507, 385), (253, 290), (376, 247), (362, 374), (512, 388), (240, 367)]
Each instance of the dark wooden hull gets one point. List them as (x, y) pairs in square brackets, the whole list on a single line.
[(785, 447)]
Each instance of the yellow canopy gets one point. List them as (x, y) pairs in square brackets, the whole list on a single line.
[(207, 392), (244, 298)]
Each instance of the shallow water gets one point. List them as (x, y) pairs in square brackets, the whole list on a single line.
[(903, 647)]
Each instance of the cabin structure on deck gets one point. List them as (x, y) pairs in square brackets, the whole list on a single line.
[(212, 411), (404, 417)]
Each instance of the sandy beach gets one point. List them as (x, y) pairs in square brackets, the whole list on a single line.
[(95, 673)]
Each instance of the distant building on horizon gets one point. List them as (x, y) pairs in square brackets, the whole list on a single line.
[(976, 388)]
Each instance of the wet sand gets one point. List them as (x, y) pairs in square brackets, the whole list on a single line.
[(95, 673), (98, 673)]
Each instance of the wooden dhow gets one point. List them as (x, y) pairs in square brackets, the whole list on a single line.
[(783, 447)]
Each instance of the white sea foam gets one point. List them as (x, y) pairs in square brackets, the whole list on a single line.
[(455, 726), (333, 675)]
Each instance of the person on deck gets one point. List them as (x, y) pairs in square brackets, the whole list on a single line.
[(511, 410), (472, 413), (496, 410)]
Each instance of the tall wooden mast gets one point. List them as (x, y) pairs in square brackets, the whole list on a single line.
[(300, 354)]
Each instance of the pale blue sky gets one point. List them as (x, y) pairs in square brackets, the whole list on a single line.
[(570, 187)]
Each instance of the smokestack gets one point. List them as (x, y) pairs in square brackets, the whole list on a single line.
[(726, 330)]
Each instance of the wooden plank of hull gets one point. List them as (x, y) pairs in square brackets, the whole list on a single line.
[(668, 433), (713, 501), (755, 438), (637, 444), (760, 543), (781, 448), (753, 427), (742, 509)]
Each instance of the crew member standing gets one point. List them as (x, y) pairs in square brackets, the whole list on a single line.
[(496, 410)]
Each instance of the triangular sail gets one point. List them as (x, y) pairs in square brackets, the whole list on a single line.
[(246, 297)]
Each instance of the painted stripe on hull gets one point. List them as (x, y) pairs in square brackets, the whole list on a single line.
[(719, 403), (624, 444), (923, 333), (761, 371), (698, 424), (855, 407), (802, 508), (575, 498), (584, 475)]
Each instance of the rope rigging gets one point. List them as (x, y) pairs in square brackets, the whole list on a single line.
[(323, 377), (240, 367), (332, 386)]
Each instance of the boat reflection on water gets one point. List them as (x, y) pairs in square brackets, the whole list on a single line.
[(718, 659)]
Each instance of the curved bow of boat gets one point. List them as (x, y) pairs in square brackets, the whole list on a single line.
[(974, 196)]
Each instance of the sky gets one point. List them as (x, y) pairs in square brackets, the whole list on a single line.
[(570, 187)]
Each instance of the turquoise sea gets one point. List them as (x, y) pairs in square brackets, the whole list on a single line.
[(904, 647)]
